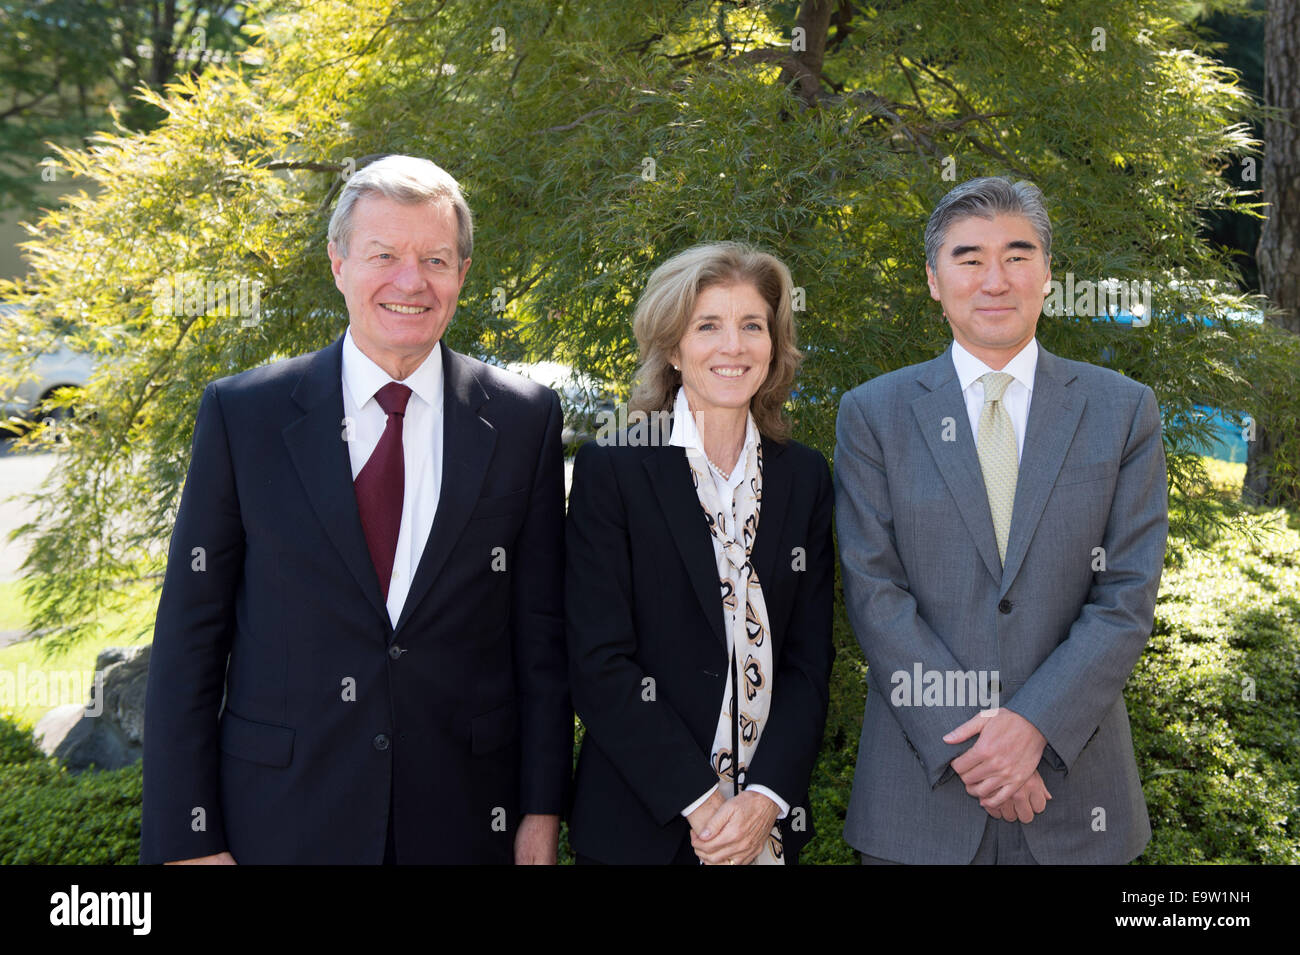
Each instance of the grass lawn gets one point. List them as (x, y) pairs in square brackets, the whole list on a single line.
[(13, 615), (31, 682)]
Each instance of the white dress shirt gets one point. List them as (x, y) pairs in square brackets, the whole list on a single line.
[(1015, 399), (363, 425), (687, 435)]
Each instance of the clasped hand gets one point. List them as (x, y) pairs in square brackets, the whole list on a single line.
[(1000, 770), (732, 831)]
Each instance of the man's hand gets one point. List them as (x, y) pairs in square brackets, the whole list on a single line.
[(735, 834), (1029, 799), (221, 858), (1002, 759), (537, 841)]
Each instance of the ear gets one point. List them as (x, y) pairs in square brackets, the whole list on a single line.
[(336, 264), (933, 282), (464, 270)]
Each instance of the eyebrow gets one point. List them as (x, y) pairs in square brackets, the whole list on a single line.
[(377, 245), (959, 250), (718, 318)]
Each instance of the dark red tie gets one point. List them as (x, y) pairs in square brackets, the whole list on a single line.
[(381, 484)]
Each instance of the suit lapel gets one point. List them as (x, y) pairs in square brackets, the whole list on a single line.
[(318, 448), (670, 476), (956, 459), (1054, 413), (468, 441), (771, 518)]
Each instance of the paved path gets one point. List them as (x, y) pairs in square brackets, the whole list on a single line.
[(19, 474)]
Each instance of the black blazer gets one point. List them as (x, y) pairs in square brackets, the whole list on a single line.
[(647, 651), (462, 710)]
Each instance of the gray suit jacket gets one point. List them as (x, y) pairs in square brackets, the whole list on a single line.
[(1062, 624)]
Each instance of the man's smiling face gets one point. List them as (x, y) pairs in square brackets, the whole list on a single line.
[(991, 276), (400, 278)]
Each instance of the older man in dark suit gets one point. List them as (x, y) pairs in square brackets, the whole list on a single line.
[(359, 651)]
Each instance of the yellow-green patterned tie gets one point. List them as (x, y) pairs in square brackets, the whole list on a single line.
[(999, 459)]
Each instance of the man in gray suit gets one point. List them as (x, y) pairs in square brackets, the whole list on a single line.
[(1002, 516)]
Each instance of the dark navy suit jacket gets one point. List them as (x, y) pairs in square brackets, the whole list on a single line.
[(271, 601)]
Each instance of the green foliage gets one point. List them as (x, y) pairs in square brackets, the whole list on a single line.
[(66, 65), (1215, 701), (17, 744), (51, 817), (594, 140)]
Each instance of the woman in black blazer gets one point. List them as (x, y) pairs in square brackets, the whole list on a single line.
[(699, 530)]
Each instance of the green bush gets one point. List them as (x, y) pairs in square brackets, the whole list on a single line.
[(52, 817), (17, 744), (1215, 701)]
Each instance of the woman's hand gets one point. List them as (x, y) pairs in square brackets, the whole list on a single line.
[(706, 811), (736, 832)]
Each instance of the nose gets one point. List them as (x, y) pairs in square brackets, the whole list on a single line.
[(407, 278), (731, 337), (995, 278)]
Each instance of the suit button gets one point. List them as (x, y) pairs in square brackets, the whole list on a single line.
[(395, 651), (1004, 606), (381, 742)]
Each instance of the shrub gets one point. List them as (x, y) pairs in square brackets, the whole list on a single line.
[(17, 744), (50, 816)]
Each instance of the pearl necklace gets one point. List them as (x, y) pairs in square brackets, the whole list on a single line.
[(726, 475)]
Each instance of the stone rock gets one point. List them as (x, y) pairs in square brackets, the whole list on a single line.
[(109, 731), (54, 726)]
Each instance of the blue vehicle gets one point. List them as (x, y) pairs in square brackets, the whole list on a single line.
[(1227, 438)]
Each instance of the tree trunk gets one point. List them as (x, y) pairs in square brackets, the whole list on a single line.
[(805, 64), (1279, 243)]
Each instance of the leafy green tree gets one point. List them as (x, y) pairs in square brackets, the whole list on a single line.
[(65, 64), (593, 141)]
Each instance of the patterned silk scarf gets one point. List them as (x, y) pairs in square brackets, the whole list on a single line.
[(749, 642)]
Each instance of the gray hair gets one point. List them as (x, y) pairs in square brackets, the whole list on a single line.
[(986, 197), (406, 179)]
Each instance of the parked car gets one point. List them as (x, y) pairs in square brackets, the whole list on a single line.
[(1226, 439), (39, 376)]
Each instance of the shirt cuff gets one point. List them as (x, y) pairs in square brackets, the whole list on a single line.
[(700, 802), (785, 806)]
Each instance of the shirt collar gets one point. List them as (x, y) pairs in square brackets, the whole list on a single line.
[(362, 377), (687, 435), (1022, 367)]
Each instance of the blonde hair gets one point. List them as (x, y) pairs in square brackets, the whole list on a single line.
[(664, 312)]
